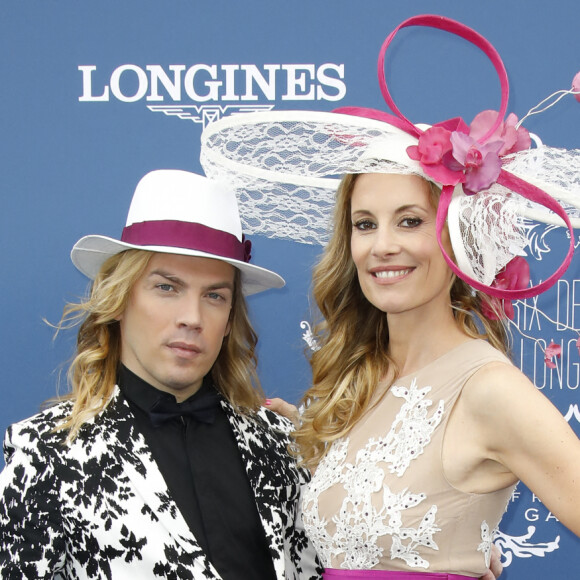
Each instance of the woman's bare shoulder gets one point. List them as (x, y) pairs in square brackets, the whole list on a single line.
[(495, 384)]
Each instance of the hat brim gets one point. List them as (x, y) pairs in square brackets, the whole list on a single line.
[(287, 186), (90, 253)]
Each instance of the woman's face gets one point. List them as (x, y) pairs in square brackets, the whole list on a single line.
[(394, 244)]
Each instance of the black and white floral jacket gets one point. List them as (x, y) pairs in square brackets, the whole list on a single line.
[(100, 508)]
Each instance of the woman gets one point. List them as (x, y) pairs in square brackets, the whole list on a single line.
[(417, 427), (418, 430)]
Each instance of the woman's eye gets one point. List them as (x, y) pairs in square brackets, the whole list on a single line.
[(165, 287), (411, 222), (364, 225)]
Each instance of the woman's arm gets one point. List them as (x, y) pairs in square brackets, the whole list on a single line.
[(518, 428)]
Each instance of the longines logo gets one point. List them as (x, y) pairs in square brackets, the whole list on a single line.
[(183, 88)]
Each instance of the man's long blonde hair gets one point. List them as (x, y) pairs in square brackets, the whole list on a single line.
[(353, 338), (92, 374)]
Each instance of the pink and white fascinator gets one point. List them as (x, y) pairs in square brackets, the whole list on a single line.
[(285, 166)]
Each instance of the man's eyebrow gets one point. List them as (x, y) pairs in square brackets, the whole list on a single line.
[(177, 280), (221, 285), (168, 276)]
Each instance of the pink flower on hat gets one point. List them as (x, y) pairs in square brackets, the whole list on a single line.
[(552, 350), (452, 153), (515, 276), (432, 152), (576, 86), (513, 139), (247, 244), (480, 163)]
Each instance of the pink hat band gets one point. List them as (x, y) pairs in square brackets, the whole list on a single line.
[(187, 235)]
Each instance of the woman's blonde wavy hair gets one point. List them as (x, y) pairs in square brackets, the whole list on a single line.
[(353, 338), (92, 374)]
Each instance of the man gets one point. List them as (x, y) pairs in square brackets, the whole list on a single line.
[(160, 463)]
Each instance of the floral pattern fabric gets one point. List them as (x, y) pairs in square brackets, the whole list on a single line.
[(100, 508), (361, 522), (380, 499)]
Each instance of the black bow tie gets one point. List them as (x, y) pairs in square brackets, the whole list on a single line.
[(202, 408)]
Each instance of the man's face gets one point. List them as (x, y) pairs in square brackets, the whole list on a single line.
[(175, 321)]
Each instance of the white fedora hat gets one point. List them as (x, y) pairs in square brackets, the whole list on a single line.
[(178, 212)]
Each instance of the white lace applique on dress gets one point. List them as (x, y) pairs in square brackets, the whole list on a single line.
[(411, 430), (370, 509), (486, 540)]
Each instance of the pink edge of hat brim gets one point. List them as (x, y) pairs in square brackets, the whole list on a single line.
[(90, 252)]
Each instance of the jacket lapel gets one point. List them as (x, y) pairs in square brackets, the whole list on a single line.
[(270, 477), (137, 461)]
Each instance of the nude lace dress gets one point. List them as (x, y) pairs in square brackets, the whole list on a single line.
[(379, 499)]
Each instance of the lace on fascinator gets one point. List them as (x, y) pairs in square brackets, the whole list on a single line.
[(286, 164)]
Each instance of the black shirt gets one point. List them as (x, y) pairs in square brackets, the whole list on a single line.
[(202, 466)]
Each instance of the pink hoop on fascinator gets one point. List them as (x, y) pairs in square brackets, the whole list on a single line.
[(284, 164)]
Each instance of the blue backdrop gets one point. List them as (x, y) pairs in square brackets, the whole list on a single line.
[(88, 107)]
